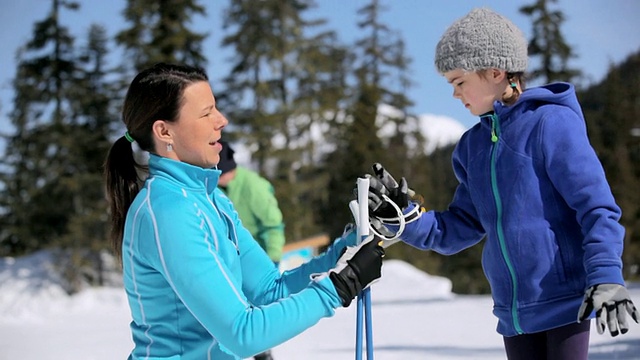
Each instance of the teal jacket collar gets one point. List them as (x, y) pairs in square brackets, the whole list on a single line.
[(187, 175)]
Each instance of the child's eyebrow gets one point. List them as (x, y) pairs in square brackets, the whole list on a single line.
[(454, 79)]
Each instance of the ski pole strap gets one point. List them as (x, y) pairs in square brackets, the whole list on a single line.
[(401, 220), (407, 218)]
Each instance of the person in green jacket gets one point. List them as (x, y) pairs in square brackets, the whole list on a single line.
[(254, 199)]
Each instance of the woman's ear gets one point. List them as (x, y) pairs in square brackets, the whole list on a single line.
[(161, 131), (162, 134)]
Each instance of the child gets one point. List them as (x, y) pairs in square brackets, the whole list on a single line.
[(532, 186)]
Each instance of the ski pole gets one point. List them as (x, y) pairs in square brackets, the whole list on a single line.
[(364, 298)]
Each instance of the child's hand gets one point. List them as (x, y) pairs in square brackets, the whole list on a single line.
[(610, 302), (384, 184)]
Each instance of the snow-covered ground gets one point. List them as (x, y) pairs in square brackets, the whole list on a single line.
[(415, 316)]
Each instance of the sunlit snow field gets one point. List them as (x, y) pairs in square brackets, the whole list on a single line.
[(415, 316)]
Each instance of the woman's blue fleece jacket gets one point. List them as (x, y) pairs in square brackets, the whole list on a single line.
[(531, 184), (199, 286)]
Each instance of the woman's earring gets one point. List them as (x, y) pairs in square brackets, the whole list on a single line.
[(169, 147)]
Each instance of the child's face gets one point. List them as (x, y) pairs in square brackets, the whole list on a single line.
[(476, 91)]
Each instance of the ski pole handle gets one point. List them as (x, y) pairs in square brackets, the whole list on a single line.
[(363, 208)]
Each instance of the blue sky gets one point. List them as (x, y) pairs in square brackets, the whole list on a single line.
[(601, 32)]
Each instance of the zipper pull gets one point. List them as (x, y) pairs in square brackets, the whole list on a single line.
[(494, 137)]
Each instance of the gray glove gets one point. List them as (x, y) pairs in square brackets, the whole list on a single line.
[(389, 200), (384, 184), (609, 302)]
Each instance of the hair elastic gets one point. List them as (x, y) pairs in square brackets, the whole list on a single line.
[(128, 137)]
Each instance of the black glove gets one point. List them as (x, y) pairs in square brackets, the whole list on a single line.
[(384, 184), (611, 302), (357, 268)]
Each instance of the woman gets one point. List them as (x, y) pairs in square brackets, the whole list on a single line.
[(199, 286)]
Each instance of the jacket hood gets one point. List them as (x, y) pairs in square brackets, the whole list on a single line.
[(559, 93)]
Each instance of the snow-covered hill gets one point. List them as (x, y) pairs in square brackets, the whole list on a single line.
[(437, 130)]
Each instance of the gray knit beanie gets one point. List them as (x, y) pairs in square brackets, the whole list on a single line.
[(482, 40)]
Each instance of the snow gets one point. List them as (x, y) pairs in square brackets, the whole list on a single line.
[(414, 315)]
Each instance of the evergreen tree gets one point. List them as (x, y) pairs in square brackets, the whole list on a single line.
[(94, 115), (284, 88), (36, 205), (158, 32), (380, 64), (549, 44), (53, 164)]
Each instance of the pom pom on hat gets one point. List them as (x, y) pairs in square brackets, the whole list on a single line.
[(480, 40)]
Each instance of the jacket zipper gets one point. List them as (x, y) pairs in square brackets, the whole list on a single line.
[(495, 133), (224, 217)]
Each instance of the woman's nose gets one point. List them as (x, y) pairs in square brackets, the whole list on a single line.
[(221, 120)]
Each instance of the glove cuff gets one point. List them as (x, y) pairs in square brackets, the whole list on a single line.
[(346, 283), (410, 214)]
